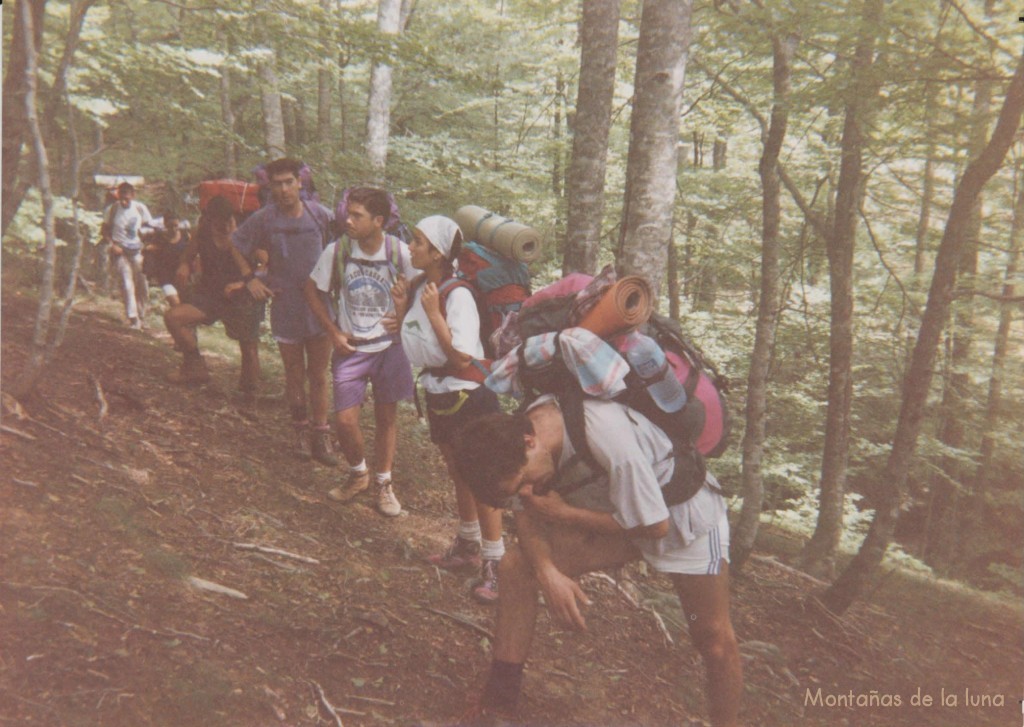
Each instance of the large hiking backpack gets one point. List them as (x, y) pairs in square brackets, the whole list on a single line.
[(243, 196), (698, 430), (308, 192), (394, 226)]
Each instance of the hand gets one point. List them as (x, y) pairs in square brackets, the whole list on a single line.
[(431, 300), (182, 274), (400, 292), (340, 342), (391, 323), (564, 596), (116, 250), (549, 506), (258, 289), (231, 288)]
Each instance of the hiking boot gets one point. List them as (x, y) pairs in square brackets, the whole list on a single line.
[(387, 503), (486, 589), (303, 446), (192, 371), (135, 324), (461, 555), (357, 482), (321, 447)]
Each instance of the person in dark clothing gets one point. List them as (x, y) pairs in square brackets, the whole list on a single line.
[(162, 254), (219, 295)]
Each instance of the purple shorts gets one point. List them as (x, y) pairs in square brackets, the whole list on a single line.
[(389, 371)]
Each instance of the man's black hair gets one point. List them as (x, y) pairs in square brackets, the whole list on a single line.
[(490, 449), (284, 165), (125, 187), (374, 200)]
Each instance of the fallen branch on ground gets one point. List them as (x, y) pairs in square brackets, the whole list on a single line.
[(205, 585), (17, 432), (100, 396), (461, 620), (276, 551)]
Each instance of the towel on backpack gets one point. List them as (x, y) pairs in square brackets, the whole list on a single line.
[(599, 369)]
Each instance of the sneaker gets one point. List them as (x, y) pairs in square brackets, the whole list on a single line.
[(357, 482), (462, 554), (321, 447), (135, 324), (303, 446), (192, 371), (486, 589), (387, 503)]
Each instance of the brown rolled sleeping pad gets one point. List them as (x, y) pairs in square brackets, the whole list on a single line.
[(506, 237), (624, 306)]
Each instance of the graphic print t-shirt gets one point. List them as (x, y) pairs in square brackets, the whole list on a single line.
[(125, 223), (366, 290)]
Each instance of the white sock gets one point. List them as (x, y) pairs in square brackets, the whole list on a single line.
[(470, 530), (492, 549), (359, 468), (383, 477)]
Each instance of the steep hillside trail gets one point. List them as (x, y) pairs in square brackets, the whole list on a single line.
[(106, 522)]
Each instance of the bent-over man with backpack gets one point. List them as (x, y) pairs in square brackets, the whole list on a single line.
[(575, 519)]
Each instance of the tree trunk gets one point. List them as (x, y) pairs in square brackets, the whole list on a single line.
[(79, 244), (378, 116), (654, 139), (893, 481), (323, 86), (719, 152), (273, 115), (819, 555), (955, 409), (15, 123), (227, 115), (672, 274), (599, 33), (79, 10), (768, 305), (927, 191), (34, 366), (994, 403)]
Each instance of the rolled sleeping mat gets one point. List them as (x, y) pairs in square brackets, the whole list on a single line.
[(506, 237), (624, 306)]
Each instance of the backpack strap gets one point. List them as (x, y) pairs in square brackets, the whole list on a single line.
[(688, 472), (476, 370)]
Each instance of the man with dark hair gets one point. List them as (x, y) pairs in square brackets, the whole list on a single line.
[(122, 222), (574, 520), (360, 272), (292, 233)]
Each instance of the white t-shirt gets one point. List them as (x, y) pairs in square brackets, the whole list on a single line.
[(424, 350), (365, 291), (126, 222), (636, 457)]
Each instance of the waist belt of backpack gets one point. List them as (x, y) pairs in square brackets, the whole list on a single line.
[(476, 370), (368, 341)]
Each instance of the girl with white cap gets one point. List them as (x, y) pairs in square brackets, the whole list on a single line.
[(440, 328)]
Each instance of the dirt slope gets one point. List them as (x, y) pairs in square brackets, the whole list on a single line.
[(102, 522)]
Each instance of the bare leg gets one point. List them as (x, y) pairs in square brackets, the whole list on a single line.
[(318, 358), (293, 358), (464, 501), (350, 436), (573, 552), (705, 601), (386, 438), (250, 376), (181, 321)]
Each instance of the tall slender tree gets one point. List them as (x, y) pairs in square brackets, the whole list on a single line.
[(916, 384), (378, 117), (861, 101), (783, 49), (591, 125), (652, 162)]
